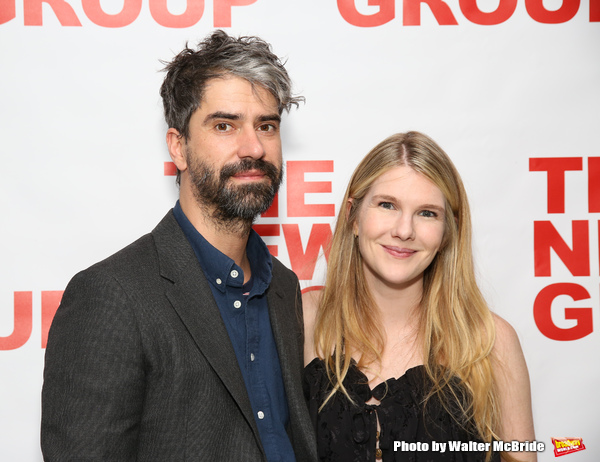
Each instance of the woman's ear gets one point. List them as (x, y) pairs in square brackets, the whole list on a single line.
[(447, 231), (349, 206)]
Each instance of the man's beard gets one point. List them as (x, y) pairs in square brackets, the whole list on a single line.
[(234, 205)]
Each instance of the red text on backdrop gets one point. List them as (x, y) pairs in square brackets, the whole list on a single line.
[(576, 256)]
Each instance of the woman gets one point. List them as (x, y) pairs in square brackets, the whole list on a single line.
[(400, 344)]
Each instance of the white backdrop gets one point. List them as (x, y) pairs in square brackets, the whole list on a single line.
[(83, 158)]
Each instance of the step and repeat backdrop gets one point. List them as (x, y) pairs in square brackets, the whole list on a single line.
[(509, 88)]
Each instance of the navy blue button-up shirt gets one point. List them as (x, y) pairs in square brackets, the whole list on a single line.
[(245, 313)]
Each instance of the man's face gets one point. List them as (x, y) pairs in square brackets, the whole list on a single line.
[(233, 151)]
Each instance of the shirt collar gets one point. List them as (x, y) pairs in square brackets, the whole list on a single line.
[(220, 270)]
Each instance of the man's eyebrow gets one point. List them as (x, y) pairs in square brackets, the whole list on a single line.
[(221, 115), (229, 116), (270, 118)]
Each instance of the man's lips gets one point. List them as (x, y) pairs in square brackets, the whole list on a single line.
[(399, 252), (250, 175)]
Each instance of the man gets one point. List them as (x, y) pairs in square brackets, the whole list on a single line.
[(187, 345)]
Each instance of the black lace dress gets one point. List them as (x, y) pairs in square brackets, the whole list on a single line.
[(347, 432)]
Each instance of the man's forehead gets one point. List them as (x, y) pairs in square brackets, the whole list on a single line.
[(232, 90)]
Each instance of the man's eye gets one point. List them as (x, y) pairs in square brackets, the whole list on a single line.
[(223, 127), (267, 128)]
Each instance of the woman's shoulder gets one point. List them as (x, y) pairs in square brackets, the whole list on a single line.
[(507, 341), (310, 306), (512, 382), (310, 302), (507, 353)]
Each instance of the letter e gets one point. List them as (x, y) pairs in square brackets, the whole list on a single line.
[(297, 188)]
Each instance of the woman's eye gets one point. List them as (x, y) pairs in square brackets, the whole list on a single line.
[(386, 205), (428, 214)]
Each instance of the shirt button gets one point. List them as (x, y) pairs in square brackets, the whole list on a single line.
[(261, 415), (251, 356), (234, 274), (219, 281), (237, 304)]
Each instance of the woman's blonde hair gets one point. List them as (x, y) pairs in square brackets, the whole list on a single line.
[(456, 324)]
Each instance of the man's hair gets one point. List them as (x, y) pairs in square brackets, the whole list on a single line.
[(220, 55)]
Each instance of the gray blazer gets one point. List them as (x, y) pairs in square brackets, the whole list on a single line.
[(139, 365)]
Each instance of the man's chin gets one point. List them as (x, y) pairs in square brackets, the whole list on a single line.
[(258, 189), (247, 201), (249, 183)]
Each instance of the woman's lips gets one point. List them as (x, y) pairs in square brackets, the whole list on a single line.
[(399, 252)]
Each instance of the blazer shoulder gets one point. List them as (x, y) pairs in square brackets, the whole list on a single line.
[(283, 273), (165, 246), (138, 257)]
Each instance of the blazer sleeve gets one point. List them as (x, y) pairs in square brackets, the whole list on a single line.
[(93, 389)]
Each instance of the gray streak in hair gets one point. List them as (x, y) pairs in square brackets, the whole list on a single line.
[(217, 56)]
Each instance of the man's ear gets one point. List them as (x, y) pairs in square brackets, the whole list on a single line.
[(176, 146)]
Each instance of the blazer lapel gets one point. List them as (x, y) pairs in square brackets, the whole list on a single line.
[(192, 299), (281, 303), (283, 311)]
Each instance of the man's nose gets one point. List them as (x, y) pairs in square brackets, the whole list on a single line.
[(250, 145)]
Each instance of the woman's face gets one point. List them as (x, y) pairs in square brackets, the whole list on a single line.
[(400, 227)]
